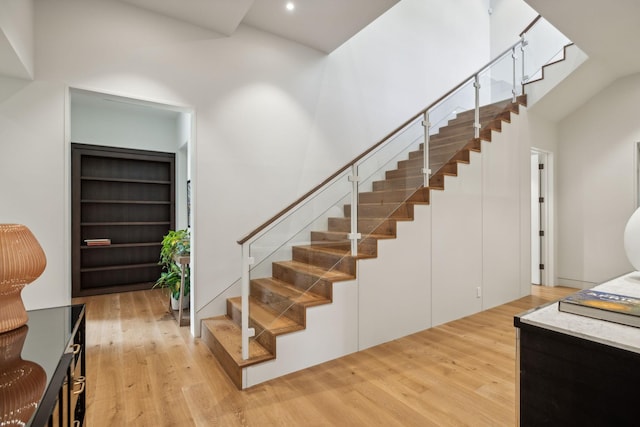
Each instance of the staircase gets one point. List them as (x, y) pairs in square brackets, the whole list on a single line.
[(278, 304)]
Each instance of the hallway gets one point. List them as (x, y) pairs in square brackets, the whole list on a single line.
[(143, 370)]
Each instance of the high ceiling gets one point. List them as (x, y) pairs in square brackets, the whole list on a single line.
[(320, 24), (607, 32)]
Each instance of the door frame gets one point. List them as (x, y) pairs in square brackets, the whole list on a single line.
[(547, 275), (185, 171)]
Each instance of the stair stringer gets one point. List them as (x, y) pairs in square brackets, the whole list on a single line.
[(554, 73), (331, 332)]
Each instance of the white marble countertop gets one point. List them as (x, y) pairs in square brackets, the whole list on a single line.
[(608, 333)]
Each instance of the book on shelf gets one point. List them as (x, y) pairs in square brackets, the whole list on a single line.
[(97, 242), (615, 308)]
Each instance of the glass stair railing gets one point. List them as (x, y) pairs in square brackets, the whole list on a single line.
[(291, 261)]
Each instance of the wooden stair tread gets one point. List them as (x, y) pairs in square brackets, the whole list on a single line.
[(402, 180), (407, 191), (442, 145), (345, 252), (332, 251), (446, 173), (408, 164), (341, 235), (331, 275), (229, 335), (268, 319), (290, 292), (365, 226), (380, 219), (397, 211), (407, 195), (399, 203), (460, 124), (328, 250), (389, 205)]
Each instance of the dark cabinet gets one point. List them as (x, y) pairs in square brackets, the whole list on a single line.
[(123, 203)]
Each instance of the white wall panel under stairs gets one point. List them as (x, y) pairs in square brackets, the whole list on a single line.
[(332, 332), (395, 287), (457, 244), (505, 186)]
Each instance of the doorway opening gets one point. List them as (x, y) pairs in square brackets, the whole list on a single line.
[(541, 220), (136, 128)]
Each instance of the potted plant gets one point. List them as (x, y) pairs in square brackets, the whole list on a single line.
[(175, 242)]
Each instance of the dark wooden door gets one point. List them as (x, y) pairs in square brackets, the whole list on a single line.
[(123, 203)]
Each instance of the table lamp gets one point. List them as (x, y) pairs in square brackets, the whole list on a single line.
[(22, 260)]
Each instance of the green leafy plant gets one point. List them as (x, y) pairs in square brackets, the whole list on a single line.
[(175, 242)]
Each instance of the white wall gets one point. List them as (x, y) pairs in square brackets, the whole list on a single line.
[(596, 191), (397, 282), (113, 126), (508, 19), (185, 157), (506, 214), (261, 102), (456, 263), (34, 168), (16, 35)]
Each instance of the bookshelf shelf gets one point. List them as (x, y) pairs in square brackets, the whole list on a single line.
[(121, 245), (128, 197), (128, 202)]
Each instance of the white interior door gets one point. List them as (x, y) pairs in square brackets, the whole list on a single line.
[(542, 269), (535, 220)]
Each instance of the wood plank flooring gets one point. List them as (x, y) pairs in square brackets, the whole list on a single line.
[(143, 370)]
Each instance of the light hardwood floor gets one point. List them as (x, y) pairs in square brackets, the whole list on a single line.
[(143, 370)]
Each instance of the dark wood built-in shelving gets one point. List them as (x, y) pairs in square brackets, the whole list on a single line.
[(127, 196)]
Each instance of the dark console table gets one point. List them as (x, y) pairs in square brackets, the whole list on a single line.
[(43, 367), (578, 371)]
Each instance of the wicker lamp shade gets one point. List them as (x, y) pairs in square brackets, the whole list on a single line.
[(22, 260)]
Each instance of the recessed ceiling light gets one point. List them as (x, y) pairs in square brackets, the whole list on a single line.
[(290, 6)]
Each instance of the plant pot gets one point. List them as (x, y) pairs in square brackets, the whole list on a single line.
[(175, 303)]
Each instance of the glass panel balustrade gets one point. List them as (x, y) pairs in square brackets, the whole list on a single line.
[(312, 245), (543, 44), (283, 254), (496, 93), (389, 177), (451, 126)]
